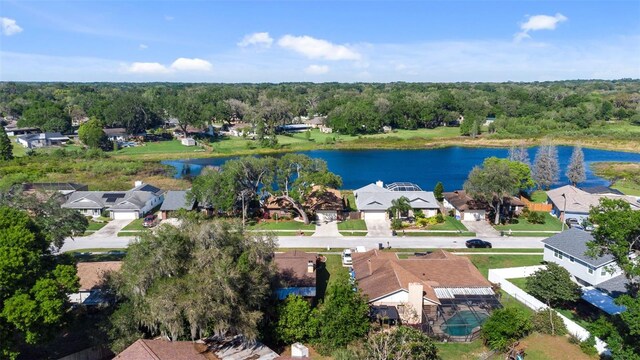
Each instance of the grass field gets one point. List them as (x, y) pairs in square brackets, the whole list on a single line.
[(129, 233), (450, 223), (486, 262), (551, 223), (159, 147), (282, 225), (135, 225), (95, 226), (539, 196), (627, 187), (352, 225), (327, 274)]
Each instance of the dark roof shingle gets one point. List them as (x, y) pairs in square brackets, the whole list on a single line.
[(574, 242)]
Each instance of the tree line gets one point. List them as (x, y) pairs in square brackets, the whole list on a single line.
[(518, 108)]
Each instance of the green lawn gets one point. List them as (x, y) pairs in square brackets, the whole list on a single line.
[(551, 223), (129, 233), (328, 273), (351, 200), (18, 150), (353, 233), (463, 351), (95, 226), (425, 233), (352, 225), (135, 225), (627, 187), (539, 196), (282, 225), (486, 262), (159, 147), (450, 223)]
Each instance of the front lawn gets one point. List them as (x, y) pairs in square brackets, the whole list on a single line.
[(135, 225), (352, 225), (282, 225), (159, 147), (486, 262), (450, 223), (95, 226), (551, 223)]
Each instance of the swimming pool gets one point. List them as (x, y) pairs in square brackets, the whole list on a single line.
[(463, 323)]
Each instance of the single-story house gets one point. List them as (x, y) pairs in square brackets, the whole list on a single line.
[(63, 188), (17, 131), (92, 276), (174, 201), (325, 129), (208, 130), (296, 274), (239, 129), (132, 204), (116, 134), (276, 209), (374, 200), (32, 141), (425, 289), (293, 128), (600, 276), (316, 121), (570, 202), (512, 206), (464, 206), (326, 203), (214, 348)]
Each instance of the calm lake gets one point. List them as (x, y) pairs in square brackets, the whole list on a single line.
[(426, 167)]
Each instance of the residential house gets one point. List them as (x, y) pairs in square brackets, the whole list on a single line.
[(239, 129), (326, 203), (511, 206), (33, 141), (214, 348), (132, 204), (600, 276), (174, 201), (326, 129), (65, 189), (92, 277), (374, 200), (293, 128), (387, 129), (188, 141), (12, 128), (464, 206), (427, 290), (207, 130), (296, 274), (116, 134), (316, 121), (570, 202), (602, 190)]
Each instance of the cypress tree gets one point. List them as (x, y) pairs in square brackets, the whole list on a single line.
[(6, 148)]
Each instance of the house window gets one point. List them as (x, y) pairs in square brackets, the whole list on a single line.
[(556, 253), (590, 271), (560, 254)]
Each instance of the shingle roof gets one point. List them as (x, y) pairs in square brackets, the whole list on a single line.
[(615, 286), (580, 201), (382, 273), (165, 350), (602, 190), (176, 200), (374, 197), (293, 268), (91, 274), (574, 243), (134, 199), (461, 201)]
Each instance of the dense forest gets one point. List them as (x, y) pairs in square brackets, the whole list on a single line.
[(531, 109)]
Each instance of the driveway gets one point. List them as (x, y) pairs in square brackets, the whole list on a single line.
[(378, 228), (482, 228), (107, 237), (327, 229)]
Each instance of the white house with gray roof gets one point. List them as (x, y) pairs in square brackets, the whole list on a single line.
[(132, 204), (174, 201), (569, 202), (32, 141), (374, 200), (568, 249)]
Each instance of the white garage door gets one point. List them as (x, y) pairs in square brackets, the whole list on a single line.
[(375, 215), (125, 215), (474, 215)]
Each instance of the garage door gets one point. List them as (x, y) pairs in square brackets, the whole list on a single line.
[(375, 215), (125, 215), (474, 215)]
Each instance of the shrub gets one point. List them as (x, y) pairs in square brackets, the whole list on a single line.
[(418, 214), (396, 224), (541, 322), (439, 218), (588, 346), (504, 327), (536, 217), (422, 222)]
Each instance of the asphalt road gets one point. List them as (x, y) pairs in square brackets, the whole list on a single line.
[(336, 242)]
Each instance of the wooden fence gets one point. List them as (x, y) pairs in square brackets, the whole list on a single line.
[(536, 206)]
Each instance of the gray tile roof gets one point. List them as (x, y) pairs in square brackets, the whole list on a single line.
[(615, 286), (175, 200), (374, 197), (134, 199), (574, 242)]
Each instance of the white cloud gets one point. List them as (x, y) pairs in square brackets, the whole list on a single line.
[(195, 64), (9, 26), (317, 69), (147, 68), (168, 18), (258, 39), (539, 22), (143, 46), (317, 48)]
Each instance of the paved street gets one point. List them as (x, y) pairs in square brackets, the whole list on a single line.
[(337, 242)]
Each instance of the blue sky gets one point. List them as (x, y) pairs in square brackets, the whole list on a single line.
[(347, 41)]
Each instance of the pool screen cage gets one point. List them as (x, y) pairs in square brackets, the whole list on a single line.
[(459, 319)]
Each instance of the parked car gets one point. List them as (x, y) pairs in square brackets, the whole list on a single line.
[(571, 222), (346, 257), (149, 221), (477, 243)]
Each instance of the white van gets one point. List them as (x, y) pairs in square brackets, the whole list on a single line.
[(346, 257)]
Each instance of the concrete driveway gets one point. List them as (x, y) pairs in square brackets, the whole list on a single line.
[(482, 228), (107, 237), (378, 228)]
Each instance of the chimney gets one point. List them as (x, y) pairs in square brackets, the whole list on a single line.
[(380, 183), (137, 183), (416, 291), (310, 266)]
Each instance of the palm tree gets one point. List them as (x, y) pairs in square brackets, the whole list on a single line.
[(399, 206)]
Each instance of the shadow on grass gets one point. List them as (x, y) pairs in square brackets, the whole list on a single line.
[(322, 280)]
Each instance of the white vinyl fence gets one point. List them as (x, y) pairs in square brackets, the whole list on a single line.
[(500, 276)]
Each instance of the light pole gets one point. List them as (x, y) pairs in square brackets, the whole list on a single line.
[(564, 210)]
